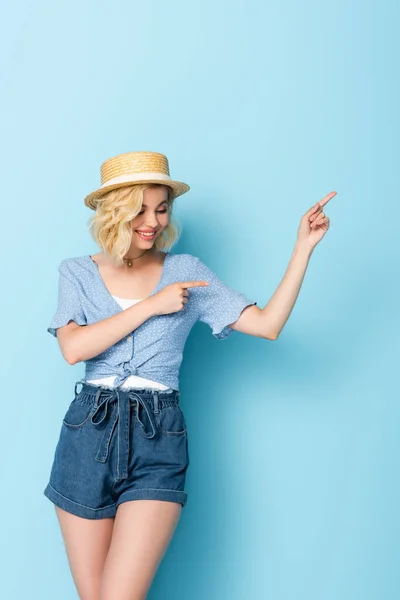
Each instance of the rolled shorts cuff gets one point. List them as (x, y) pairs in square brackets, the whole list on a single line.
[(77, 509), (153, 494), (105, 512)]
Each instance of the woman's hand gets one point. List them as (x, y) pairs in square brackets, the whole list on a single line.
[(314, 224), (173, 297)]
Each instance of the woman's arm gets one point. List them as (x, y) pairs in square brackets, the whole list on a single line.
[(269, 321), (82, 342)]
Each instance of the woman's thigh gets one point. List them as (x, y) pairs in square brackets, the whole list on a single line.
[(141, 534), (87, 542)]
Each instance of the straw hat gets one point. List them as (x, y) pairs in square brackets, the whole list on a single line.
[(134, 167)]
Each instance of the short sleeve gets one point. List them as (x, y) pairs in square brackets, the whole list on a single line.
[(69, 305), (218, 304)]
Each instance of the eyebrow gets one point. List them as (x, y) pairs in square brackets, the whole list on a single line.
[(145, 206)]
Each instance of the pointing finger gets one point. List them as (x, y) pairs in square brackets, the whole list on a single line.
[(326, 199), (320, 204), (189, 284)]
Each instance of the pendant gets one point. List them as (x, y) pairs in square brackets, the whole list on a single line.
[(129, 262)]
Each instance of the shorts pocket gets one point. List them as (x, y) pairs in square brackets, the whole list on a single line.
[(171, 420), (78, 412)]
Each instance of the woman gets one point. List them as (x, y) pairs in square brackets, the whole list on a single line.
[(118, 475)]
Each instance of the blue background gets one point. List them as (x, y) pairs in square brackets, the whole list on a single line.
[(263, 108)]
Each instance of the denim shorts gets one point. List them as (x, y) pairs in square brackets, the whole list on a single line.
[(118, 445)]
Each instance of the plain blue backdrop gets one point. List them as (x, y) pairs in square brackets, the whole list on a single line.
[(263, 108)]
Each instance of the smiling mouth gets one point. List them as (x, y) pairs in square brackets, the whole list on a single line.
[(145, 234)]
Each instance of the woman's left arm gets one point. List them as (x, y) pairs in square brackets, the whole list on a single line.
[(269, 321)]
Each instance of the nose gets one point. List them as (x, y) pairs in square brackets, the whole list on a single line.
[(152, 221)]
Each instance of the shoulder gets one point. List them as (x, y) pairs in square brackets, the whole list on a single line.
[(183, 259), (184, 264), (192, 262), (74, 260), (75, 267)]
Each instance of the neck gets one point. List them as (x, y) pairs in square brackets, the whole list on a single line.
[(134, 255)]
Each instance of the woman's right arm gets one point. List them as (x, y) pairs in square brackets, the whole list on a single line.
[(82, 342)]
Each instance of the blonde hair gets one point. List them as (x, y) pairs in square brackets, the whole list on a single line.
[(110, 226)]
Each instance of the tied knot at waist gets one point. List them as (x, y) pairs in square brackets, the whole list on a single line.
[(119, 420)]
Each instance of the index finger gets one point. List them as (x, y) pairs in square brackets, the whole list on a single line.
[(187, 284), (327, 198)]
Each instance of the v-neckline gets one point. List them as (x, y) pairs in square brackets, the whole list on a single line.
[(108, 294)]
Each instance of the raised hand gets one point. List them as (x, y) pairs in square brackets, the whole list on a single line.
[(314, 224)]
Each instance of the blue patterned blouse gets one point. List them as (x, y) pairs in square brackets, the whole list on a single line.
[(153, 350)]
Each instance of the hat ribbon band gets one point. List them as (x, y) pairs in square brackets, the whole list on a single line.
[(128, 177)]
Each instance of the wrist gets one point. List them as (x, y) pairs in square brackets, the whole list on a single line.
[(303, 248), (151, 303)]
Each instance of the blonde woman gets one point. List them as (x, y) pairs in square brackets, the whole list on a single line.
[(118, 475)]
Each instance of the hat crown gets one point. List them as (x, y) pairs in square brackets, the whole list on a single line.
[(133, 163)]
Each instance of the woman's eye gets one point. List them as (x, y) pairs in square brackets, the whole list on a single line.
[(162, 212)]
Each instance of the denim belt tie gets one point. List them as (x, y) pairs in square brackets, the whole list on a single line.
[(121, 418)]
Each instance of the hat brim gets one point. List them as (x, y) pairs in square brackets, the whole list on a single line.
[(178, 188)]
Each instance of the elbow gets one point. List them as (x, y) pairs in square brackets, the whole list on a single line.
[(271, 336), (70, 356), (69, 351), (71, 360)]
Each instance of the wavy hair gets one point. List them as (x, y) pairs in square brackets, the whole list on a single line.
[(110, 226)]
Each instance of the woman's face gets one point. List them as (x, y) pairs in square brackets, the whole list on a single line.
[(152, 219)]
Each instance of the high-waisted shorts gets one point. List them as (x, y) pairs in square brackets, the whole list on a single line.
[(119, 445)]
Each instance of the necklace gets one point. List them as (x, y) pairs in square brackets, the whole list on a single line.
[(129, 260)]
